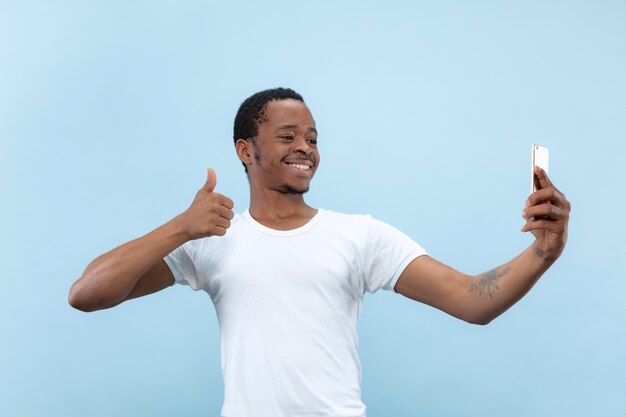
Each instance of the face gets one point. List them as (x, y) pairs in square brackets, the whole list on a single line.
[(284, 155)]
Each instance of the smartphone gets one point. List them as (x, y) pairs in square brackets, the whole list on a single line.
[(539, 157)]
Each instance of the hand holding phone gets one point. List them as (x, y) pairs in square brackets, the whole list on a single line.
[(546, 210)]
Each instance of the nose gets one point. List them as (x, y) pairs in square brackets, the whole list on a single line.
[(302, 145)]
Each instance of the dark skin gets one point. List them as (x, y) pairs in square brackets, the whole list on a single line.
[(481, 298), (281, 162)]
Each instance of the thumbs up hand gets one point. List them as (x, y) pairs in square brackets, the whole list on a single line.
[(210, 213)]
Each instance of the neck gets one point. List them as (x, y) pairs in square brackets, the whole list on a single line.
[(275, 209)]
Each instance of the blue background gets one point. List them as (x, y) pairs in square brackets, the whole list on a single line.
[(111, 111)]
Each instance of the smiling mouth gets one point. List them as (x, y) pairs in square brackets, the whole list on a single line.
[(300, 166)]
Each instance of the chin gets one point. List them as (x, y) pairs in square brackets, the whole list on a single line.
[(289, 189)]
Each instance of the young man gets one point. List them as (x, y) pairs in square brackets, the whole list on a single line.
[(288, 280)]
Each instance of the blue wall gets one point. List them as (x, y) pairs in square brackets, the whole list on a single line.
[(110, 113)]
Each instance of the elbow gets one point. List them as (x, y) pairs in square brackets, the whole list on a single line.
[(78, 300), (75, 300), (482, 322), (479, 320)]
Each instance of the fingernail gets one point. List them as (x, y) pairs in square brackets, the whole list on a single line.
[(527, 202)]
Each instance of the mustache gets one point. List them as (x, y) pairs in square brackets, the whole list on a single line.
[(299, 158)]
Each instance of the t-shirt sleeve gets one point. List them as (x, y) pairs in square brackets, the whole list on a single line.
[(181, 264), (386, 254)]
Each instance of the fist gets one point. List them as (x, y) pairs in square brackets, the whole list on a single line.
[(210, 213)]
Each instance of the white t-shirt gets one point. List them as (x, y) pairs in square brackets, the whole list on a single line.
[(287, 303)]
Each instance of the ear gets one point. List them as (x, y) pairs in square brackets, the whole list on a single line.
[(245, 151)]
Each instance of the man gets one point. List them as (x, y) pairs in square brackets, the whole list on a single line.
[(288, 280)]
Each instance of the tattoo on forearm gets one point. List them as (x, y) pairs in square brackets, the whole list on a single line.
[(487, 282), (540, 253)]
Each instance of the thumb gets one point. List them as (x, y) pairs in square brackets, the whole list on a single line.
[(541, 177), (211, 180)]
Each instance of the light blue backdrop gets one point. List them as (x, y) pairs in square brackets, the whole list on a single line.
[(111, 111)]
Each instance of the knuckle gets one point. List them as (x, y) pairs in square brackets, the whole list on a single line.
[(553, 210), (543, 209)]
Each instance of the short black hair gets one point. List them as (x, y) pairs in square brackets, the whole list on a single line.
[(252, 112)]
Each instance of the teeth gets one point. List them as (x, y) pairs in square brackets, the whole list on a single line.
[(299, 166)]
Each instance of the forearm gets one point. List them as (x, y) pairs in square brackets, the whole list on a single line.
[(491, 293), (109, 278)]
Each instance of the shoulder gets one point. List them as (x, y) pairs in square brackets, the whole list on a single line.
[(369, 230), (363, 221), (363, 228), (339, 217)]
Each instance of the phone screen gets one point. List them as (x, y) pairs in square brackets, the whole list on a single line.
[(539, 158)]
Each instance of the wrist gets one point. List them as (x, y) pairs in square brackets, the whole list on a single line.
[(178, 229), (544, 254)]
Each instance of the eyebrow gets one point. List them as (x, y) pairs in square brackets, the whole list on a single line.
[(281, 127)]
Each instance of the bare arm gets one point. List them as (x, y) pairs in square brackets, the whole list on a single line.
[(479, 299), (475, 299), (136, 268), (112, 277)]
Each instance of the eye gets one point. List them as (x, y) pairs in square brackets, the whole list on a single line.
[(287, 137), (312, 141)]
